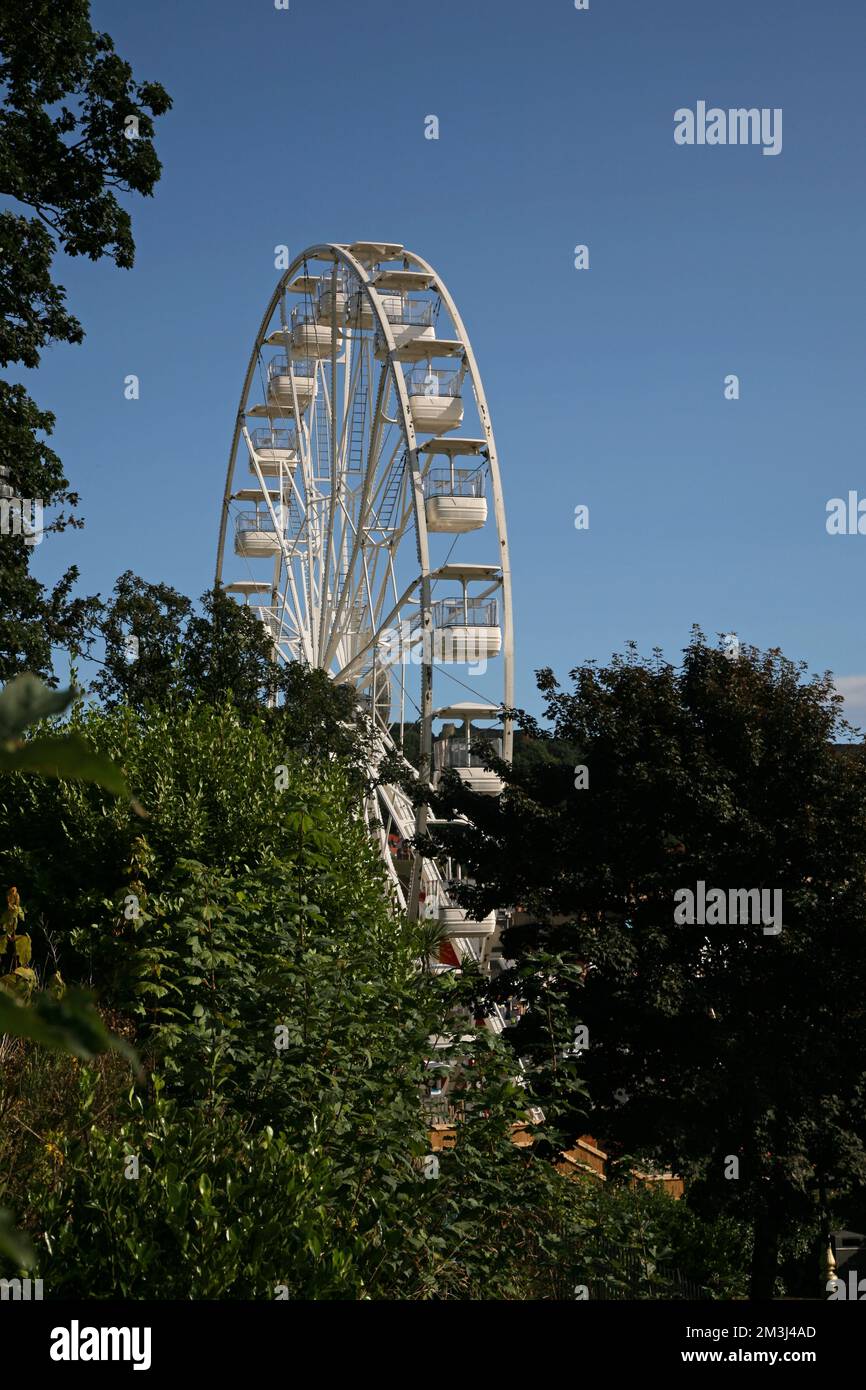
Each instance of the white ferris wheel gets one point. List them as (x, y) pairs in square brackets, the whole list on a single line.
[(364, 498)]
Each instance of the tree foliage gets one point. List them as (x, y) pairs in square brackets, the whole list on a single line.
[(245, 931), (707, 1043), (161, 650), (76, 130), (54, 1018)]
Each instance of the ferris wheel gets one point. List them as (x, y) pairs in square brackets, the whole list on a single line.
[(363, 520)]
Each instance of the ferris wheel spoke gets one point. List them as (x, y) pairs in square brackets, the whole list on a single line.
[(351, 591)]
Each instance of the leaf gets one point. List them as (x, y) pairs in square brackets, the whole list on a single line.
[(70, 1024), (66, 756), (23, 947), (26, 700), (14, 1244), (19, 983)]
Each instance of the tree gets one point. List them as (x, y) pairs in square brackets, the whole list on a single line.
[(732, 1053), (32, 621), (160, 650), (227, 648), (318, 719), (245, 931), (142, 628), (242, 937), (75, 127)]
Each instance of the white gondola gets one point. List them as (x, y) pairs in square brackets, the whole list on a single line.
[(411, 320), (465, 756), (255, 537), (359, 311), (276, 451), (435, 402), (466, 630), (332, 300), (464, 753), (457, 922), (310, 338), (280, 374), (454, 499)]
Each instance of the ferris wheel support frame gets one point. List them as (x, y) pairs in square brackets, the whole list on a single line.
[(318, 651)]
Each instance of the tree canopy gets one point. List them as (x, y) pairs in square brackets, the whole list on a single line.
[(707, 1042), (160, 649), (76, 130)]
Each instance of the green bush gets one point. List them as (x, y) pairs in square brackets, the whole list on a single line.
[(176, 1205), (242, 937), (244, 929)]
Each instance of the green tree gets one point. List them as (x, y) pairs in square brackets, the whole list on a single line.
[(162, 650), (75, 130), (707, 1043), (142, 629), (228, 650), (242, 937), (245, 930)]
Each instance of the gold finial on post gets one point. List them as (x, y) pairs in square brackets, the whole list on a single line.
[(830, 1282)]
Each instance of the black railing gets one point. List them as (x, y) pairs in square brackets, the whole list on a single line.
[(598, 1269)]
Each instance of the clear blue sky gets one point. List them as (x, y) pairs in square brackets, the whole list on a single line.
[(606, 385)]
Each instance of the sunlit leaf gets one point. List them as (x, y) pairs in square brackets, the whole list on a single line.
[(14, 1244), (26, 700), (66, 756), (69, 1024)]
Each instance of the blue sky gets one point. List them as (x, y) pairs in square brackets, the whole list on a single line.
[(605, 385)]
